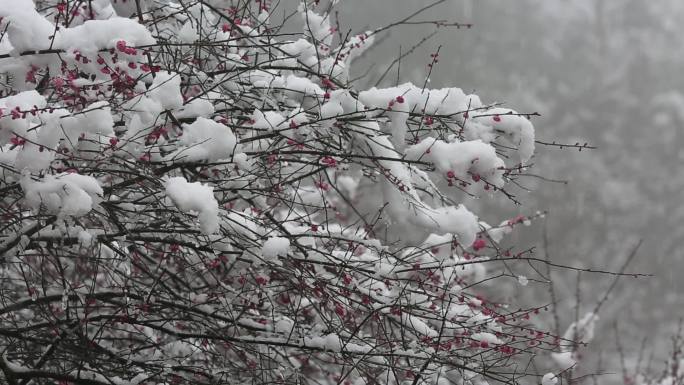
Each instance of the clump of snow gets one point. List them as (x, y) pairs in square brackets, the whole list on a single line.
[(165, 89), (275, 247), (94, 35), (188, 34), (515, 129), (206, 140), (29, 30), (316, 26), (582, 330), (484, 124), (410, 215), (284, 325), (497, 233), (197, 197), (331, 109), (470, 161), (298, 87), (301, 49), (486, 337), (441, 101), (455, 220), (331, 342), (94, 119), (418, 325), (269, 120), (51, 127), (549, 379), (564, 360), (63, 194), (195, 108), (23, 101)]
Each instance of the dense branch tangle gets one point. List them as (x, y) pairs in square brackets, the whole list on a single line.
[(208, 200)]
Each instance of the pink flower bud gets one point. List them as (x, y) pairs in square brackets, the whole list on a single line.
[(479, 244)]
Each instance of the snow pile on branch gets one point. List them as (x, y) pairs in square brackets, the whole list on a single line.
[(274, 247), (549, 379), (467, 160), (64, 194), (478, 122), (29, 30), (206, 140), (197, 197), (316, 26), (580, 332), (165, 89)]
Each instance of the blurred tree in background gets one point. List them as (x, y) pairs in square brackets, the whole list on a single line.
[(598, 71)]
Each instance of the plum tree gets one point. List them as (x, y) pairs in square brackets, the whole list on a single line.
[(191, 194)]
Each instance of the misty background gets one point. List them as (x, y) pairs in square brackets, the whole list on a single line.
[(606, 72)]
